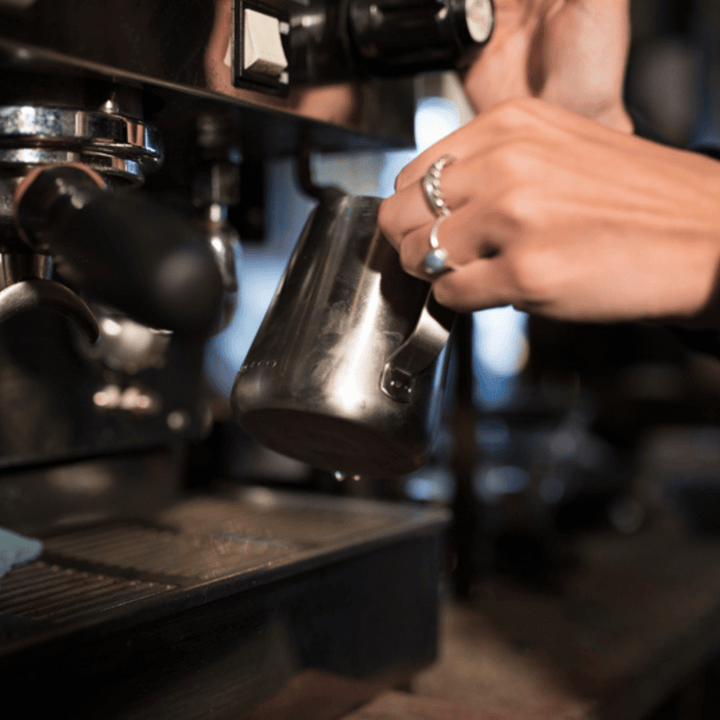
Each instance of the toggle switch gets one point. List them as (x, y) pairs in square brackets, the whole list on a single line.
[(263, 52)]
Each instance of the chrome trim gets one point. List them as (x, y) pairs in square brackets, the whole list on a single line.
[(119, 146)]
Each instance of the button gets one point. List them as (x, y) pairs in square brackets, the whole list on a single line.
[(262, 49)]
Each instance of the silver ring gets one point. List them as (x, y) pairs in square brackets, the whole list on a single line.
[(435, 260), (431, 186)]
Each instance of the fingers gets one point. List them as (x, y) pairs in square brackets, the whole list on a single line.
[(408, 210), (466, 235), (526, 117), (489, 163), (479, 285), (497, 194), (485, 170), (480, 276), (457, 145)]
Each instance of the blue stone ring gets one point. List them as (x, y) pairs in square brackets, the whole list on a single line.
[(436, 258)]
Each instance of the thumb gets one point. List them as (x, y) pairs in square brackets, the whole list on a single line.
[(499, 71)]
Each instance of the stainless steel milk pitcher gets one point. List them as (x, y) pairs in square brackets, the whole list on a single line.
[(347, 369)]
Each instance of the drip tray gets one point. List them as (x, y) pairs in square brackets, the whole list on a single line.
[(215, 604)]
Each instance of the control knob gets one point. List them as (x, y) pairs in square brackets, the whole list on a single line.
[(392, 37)]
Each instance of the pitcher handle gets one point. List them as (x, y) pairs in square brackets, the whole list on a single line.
[(418, 352)]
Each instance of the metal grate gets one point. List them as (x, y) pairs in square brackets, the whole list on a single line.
[(41, 591), (204, 556), (92, 570), (315, 522)]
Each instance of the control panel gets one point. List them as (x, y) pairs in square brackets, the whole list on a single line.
[(279, 44)]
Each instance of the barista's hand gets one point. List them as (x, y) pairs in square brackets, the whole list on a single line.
[(586, 223), (569, 52)]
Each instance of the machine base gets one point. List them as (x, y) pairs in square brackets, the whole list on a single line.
[(216, 604)]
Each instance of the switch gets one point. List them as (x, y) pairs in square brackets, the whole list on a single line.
[(262, 48), (480, 17)]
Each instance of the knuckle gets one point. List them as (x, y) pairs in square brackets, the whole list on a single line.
[(389, 222), (514, 162), (408, 256), (533, 275), (403, 251), (385, 217), (403, 178), (516, 113), (448, 296), (520, 205)]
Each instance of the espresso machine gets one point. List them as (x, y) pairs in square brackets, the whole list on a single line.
[(130, 132)]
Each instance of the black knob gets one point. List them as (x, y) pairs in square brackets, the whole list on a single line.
[(392, 37)]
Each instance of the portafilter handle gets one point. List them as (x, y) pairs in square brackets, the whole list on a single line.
[(140, 257)]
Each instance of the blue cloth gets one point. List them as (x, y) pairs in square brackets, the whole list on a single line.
[(16, 550)]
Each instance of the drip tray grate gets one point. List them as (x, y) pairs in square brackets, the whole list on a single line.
[(46, 592), (215, 604)]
